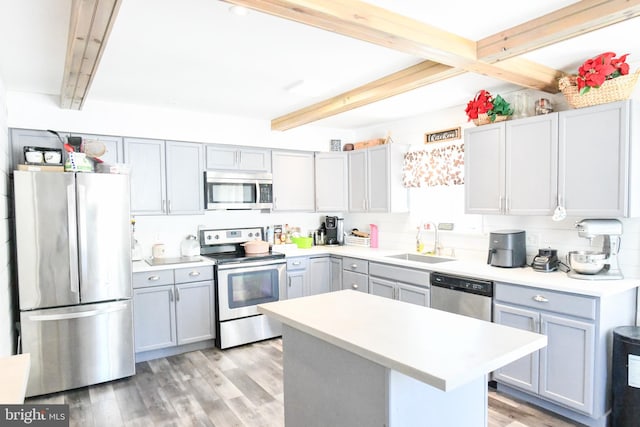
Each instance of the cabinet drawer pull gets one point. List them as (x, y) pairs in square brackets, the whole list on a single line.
[(540, 298), (153, 278), (194, 273), (296, 262), (354, 266), (354, 286)]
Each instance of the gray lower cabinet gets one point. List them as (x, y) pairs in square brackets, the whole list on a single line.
[(296, 276), (355, 274), (166, 176), (336, 273), (403, 284), (572, 372), (173, 307), (308, 276)]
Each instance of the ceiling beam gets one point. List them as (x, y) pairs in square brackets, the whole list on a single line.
[(416, 76), (89, 28), (366, 22), (574, 20)]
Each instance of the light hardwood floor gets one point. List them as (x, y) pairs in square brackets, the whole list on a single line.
[(236, 387)]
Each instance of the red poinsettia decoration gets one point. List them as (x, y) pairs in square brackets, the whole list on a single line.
[(603, 67), (482, 103)]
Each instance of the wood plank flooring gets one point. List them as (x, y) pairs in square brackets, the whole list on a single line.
[(236, 387)]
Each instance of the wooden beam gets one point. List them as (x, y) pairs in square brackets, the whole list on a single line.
[(89, 28), (373, 24), (574, 20), (410, 78)]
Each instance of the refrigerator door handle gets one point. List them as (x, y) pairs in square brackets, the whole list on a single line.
[(73, 239), (82, 233), (76, 314)]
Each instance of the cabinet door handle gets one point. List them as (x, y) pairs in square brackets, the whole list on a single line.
[(507, 204), (171, 295), (540, 298), (153, 278), (164, 206), (289, 281), (177, 295), (194, 274), (169, 206), (354, 286)]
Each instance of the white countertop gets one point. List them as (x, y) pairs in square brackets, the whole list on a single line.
[(558, 281), (14, 371), (521, 276), (441, 349)]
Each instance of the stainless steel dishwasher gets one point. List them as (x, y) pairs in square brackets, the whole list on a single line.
[(462, 295)]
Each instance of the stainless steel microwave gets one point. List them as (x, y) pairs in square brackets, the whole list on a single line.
[(234, 190)]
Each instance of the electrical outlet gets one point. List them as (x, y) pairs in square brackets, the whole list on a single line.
[(533, 239)]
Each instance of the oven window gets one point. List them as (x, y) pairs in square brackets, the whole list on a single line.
[(251, 288), (231, 193)]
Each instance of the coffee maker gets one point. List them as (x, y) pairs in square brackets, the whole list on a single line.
[(331, 224), (507, 248)]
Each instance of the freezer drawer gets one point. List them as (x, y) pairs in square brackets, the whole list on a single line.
[(77, 346)]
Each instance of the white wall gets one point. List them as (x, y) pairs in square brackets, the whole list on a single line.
[(470, 237), (6, 282), (32, 111)]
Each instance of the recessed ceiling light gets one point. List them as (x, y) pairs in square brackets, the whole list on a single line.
[(239, 10)]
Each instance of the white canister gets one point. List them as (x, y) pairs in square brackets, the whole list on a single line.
[(158, 250), (189, 246)]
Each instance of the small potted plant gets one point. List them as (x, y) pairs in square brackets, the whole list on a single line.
[(484, 108), (601, 79)]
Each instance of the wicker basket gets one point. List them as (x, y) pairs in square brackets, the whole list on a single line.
[(484, 119), (617, 89)]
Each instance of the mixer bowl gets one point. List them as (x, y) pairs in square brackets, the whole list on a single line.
[(586, 262)]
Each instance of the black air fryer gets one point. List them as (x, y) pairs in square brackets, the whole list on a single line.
[(507, 248)]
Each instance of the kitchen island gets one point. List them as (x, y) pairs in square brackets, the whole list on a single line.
[(354, 359)]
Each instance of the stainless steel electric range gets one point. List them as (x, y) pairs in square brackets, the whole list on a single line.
[(242, 282)]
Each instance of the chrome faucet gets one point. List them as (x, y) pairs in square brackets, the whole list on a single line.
[(436, 242)]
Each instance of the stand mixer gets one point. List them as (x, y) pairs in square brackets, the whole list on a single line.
[(597, 265)]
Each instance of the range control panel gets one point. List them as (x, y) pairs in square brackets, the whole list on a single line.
[(229, 236)]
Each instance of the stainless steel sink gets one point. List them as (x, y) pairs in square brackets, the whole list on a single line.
[(428, 259)]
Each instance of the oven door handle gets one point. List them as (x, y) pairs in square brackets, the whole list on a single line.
[(249, 264)]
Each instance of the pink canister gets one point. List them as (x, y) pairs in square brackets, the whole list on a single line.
[(373, 234)]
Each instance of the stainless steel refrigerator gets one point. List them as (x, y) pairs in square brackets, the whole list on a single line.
[(74, 278)]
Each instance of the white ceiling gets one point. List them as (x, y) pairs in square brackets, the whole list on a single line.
[(196, 55)]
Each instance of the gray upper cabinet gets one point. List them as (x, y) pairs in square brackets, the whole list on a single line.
[(293, 181), (331, 182), (594, 160), (113, 144), (375, 180), (512, 167), (166, 178), (185, 178), (146, 159), (21, 138), (580, 159), (357, 181), (238, 159)]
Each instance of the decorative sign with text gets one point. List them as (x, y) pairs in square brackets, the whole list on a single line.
[(443, 135)]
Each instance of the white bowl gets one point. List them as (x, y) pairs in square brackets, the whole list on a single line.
[(33, 156), (586, 262), (52, 157)]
